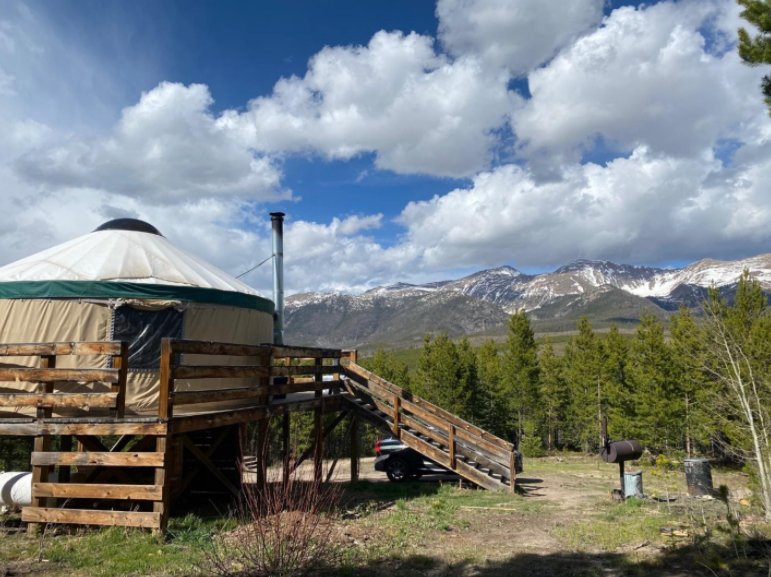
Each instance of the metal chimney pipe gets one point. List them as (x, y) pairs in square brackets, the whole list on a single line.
[(277, 222)]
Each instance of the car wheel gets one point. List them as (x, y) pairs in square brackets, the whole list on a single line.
[(397, 469)]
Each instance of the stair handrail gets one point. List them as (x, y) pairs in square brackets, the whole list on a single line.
[(358, 370)]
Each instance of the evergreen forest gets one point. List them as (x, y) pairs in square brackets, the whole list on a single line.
[(700, 385)]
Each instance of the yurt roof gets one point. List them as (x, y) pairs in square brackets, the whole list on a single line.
[(125, 258)]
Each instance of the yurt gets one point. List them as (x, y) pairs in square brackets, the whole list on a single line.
[(125, 281)]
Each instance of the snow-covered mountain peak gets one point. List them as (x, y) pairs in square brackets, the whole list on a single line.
[(511, 290), (582, 264)]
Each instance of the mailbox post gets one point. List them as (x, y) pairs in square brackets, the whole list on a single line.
[(619, 452)]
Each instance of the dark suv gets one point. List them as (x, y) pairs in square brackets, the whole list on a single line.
[(402, 463)]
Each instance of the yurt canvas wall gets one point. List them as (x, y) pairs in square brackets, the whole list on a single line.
[(65, 294)]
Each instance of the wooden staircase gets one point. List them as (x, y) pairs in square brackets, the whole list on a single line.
[(471, 452)]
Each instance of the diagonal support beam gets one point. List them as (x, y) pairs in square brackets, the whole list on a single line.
[(325, 433)]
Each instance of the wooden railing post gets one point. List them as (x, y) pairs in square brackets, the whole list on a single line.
[(513, 471), (46, 362), (120, 362), (451, 440), (397, 408), (350, 354), (166, 381)]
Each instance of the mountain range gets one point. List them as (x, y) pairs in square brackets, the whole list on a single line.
[(481, 303)]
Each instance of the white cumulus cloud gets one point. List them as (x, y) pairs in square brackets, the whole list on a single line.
[(647, 77), (516, 35), (681, 169), (636, 209), (417, 111), (167, 148)]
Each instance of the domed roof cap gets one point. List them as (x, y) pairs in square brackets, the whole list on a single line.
[(131, 224)]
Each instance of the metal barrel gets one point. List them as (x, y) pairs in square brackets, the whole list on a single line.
[(620, 451), (698, 477)]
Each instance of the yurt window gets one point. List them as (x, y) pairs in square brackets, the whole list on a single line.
[(143, 330)]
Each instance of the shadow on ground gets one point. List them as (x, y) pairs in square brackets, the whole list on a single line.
[(693, 560)]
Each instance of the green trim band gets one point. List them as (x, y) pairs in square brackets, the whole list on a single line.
[(68, 289)]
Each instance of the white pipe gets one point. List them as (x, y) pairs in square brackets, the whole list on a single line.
[(15, 490)]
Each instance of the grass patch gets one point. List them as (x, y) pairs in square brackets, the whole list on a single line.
[(115, 551), (617, 524), (416, 518)]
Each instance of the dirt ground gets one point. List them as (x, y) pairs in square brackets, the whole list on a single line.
[(562, 521)]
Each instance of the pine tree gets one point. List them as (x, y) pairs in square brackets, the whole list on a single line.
[(492, 399), (582, 371), (554, 394), (384, 364), (617, 402), (658, 407), (520, 374), (757, 50), (688, 359), (439, 377), (468, 381)]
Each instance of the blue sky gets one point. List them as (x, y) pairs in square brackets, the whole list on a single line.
[(406, 140)]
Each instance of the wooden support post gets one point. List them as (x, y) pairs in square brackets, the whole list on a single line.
[(318, 435), (39, 475), (42, 444), (175, 468), (162, 480), (397, 409), (318, 454), (355, 445), (513, 471), (287, 444), (451, 448), (262, 429), (261, 449), (243, 440)]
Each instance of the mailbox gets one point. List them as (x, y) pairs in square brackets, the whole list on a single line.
[(621, 451)]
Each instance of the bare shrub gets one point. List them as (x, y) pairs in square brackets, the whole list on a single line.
[(285, 529)]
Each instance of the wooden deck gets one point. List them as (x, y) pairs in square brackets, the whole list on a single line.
[(104, 464), (115, 468)]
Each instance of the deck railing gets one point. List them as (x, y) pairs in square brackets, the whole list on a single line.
[(263, 371), (46, 375)]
